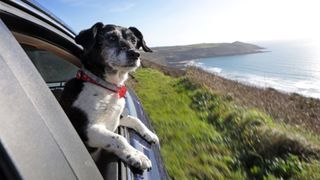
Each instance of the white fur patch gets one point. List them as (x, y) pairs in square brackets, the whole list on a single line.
[(103, 109), (100, 105), (118, 61), (113, 58)]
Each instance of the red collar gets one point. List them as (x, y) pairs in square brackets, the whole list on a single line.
[(89, 77)]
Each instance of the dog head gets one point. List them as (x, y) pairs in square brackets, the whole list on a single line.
[(111, 48)]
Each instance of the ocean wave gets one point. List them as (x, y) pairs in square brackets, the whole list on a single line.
[(307, 88), (214, 70)]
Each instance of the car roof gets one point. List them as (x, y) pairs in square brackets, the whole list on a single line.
[(27, 18), (36, 9)]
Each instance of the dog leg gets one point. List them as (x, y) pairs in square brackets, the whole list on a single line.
[(135, 124), (100, 137)]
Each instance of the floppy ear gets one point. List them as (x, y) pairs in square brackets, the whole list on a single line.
[(141, 42), (87, 38)]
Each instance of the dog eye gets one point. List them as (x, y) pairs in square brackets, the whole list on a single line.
[(112, 38), (133, 40)]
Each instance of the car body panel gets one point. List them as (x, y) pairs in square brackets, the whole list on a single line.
[(158, 170)]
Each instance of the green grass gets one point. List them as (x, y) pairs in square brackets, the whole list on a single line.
[(205, 136)]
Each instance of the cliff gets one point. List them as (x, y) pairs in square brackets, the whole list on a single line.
[(176, 54)]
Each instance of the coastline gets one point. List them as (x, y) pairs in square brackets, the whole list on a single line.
[(281, 85), (285, 107), (181, 64)]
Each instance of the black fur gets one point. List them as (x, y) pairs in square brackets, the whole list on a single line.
[(99, 37), (78, 118), (141, 42), (87, 38)]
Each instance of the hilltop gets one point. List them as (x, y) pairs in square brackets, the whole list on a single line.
[(175, 55)]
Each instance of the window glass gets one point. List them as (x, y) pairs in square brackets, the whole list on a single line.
[(53, 69)]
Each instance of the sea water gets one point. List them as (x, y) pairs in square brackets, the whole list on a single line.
[(291, 66)]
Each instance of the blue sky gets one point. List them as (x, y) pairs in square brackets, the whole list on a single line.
[(173, 22)]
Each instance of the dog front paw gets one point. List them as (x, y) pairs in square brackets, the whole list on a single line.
[(151, 137), (139, 160)]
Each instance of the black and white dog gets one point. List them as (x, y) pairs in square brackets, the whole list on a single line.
[(95, 99)]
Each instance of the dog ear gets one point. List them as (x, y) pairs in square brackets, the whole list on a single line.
[(87, 38), (141, 42)]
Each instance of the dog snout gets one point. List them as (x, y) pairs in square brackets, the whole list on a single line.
[(132, 54)]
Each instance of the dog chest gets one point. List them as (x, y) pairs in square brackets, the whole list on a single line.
[(100, 106)]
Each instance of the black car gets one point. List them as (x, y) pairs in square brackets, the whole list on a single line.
[(37, 141)]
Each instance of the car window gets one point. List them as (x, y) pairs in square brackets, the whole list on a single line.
[(53, 69)]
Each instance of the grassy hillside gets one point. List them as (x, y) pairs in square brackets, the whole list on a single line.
[(205, 135), (286, 108)]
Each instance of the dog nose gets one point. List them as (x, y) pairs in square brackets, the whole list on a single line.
[(132, 54)]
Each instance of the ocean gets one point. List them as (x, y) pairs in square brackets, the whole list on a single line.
[(291, 66)]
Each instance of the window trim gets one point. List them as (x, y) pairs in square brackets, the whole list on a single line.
[(40, 44)]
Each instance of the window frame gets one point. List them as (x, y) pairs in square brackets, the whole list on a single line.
[(41, 44)]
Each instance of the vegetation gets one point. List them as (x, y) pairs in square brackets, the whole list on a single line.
[(285, 108), (206, 135)]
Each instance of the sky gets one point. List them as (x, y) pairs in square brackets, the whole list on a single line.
[(179, 22)]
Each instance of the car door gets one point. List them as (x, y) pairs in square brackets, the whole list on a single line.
[(37, 140)]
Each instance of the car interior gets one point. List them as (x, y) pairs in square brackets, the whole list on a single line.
[(55, 65)]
